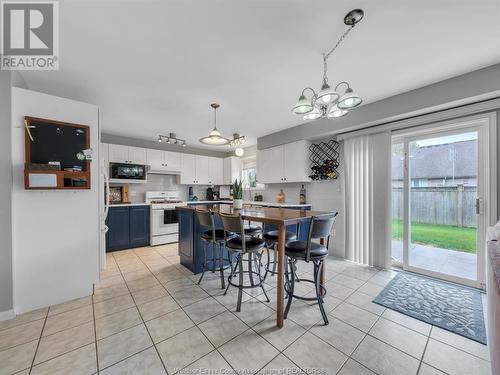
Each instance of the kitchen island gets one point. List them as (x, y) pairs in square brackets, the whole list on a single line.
[(191, 248)]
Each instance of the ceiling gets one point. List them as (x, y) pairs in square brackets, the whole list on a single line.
[(155, 66)]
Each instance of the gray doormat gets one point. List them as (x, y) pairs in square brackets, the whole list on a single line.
[(456, 308)]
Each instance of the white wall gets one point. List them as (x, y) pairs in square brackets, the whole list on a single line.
[(55, 233), (6, 301)]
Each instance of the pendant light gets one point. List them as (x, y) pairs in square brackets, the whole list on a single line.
[(215, 137), (328, 102)]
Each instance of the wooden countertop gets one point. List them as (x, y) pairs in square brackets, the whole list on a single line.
[(259, 214)]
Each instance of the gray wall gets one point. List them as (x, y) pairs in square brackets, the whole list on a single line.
[(145, 143), (6, 300)]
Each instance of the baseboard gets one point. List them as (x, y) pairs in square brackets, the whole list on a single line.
[(8, 314)]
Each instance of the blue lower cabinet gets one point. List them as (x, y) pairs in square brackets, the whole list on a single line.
[(128, 227), (139, 226), (118, 234), (191, 245), (186, 237)]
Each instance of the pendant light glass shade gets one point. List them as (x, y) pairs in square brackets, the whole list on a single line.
[(313, 115), (349, 100), (215, 137), (327, 95), (303, 106), (336, 112)]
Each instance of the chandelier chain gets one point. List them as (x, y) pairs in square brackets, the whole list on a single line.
[(327, 55)]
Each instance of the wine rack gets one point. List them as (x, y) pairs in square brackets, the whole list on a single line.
[(324, 160)]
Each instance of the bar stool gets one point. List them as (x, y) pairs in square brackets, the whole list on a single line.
[(252, 229), (241, 245), (216, 238), (320, 228), (271, 238)]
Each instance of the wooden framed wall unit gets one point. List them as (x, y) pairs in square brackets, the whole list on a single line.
[(60, 175)]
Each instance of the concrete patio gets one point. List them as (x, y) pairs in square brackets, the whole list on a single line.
[(435, 259)]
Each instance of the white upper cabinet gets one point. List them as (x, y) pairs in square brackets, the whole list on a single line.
[(232, 169), (172, 160), (193, 169), (201, 170), (164, 162), (215, 171), (285, 163), (118, 154), (202, 166), (188, 169), (126, 154), (137, 155), (155, 160), (296, 162), (104, 152), (270, 165)]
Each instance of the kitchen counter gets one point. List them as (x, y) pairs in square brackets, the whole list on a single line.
[(128, 204), (190, 230), (256, 203)]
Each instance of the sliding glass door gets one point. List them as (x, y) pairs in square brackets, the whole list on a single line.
[(439, 184)]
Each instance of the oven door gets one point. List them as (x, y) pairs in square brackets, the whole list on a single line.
[(164, 222), (127, 171)]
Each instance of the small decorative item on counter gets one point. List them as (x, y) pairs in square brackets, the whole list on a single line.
[(302, 196), (281, 196), (237, 195), (258, 198)]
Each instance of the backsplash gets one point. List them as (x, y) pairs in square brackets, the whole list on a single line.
[(156, 182), (161, 182)]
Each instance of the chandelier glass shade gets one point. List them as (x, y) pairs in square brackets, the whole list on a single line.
[(215, 137), (328, 102), (238, 140)]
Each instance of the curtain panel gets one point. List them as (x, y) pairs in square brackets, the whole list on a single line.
[(368, 199)]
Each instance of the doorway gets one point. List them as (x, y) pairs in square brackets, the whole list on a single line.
[(440, 188)]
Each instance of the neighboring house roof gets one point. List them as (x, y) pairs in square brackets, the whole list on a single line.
[(436, 162)]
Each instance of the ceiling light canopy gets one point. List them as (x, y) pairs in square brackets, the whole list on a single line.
[(328, 102), (215, 137)]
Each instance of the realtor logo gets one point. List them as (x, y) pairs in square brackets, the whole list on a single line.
[(29, 35)]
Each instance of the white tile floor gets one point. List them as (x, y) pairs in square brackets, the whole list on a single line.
[(148, 316)]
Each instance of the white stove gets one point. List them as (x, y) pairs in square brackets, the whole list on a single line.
[(164, 218)]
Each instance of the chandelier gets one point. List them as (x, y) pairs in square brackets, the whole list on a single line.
[(238, 140), (215, 137), (328, 102)]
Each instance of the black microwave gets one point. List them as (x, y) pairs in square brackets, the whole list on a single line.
[(125, 171)]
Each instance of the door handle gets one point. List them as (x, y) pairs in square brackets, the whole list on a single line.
[(478, 205)]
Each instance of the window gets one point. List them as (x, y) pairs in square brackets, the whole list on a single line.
[(249, 177), (249, 173)]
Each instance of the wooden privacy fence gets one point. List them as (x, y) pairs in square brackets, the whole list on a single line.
[(448, 205)]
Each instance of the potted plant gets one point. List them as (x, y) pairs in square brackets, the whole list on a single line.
[(237, 194)]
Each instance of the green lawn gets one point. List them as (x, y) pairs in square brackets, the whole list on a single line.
[(444, 236)]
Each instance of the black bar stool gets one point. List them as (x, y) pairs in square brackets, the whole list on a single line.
[(252, 229), (271, 238), (320, 227), (240, 245), (216, 238)]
